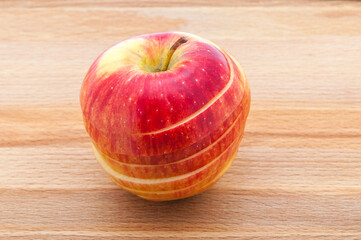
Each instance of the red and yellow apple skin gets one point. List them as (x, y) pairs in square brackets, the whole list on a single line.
[(165, 135)]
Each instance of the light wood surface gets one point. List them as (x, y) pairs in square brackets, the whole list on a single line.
[(298, 171)]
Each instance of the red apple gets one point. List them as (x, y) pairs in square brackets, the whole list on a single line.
[(166, 113)]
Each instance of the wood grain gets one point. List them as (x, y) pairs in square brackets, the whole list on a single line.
[(298, 171)]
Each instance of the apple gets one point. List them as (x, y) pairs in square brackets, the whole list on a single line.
[(166, 113)]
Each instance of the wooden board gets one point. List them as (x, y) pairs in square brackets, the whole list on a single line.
[(298, 171)]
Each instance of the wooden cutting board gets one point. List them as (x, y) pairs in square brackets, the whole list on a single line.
[(298, 171)]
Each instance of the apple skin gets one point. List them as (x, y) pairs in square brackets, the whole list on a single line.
[(165, 135)]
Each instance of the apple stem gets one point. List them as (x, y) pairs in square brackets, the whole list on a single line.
[(179, 42)]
